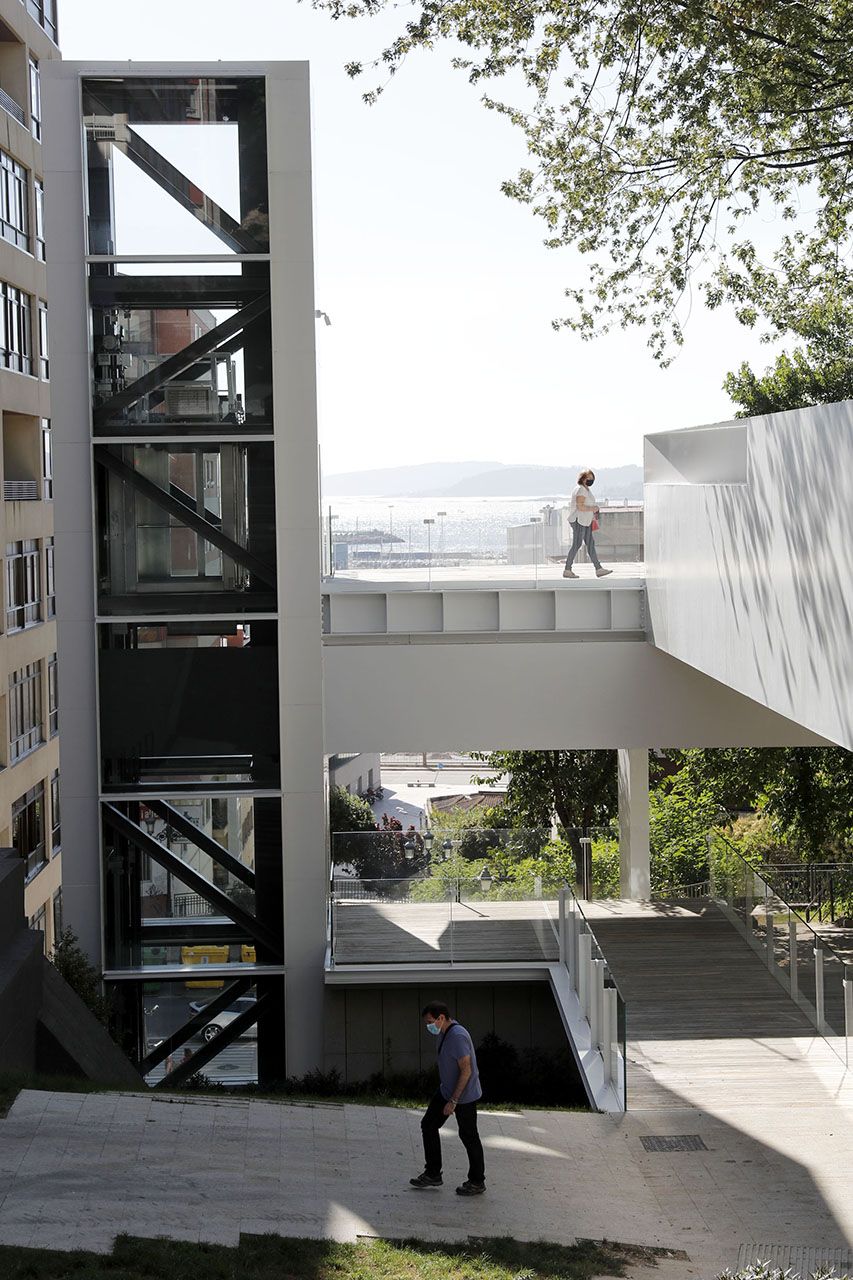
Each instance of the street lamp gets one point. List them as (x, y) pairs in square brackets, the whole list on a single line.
[(535, 520), (447, 848), (409, 850), (485, 879), (429, 523), (428, 838)]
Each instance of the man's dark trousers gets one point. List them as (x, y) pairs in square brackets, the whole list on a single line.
[(466, 1118)]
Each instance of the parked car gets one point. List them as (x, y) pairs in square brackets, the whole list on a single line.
[(222, 1019)]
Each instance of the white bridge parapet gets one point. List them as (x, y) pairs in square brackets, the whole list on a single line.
[(503, 600)]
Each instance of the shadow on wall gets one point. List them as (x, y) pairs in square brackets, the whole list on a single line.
[(44, 1026), (782, 550)]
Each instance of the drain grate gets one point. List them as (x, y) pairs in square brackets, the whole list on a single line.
[(802, 1260), (675, 1142)]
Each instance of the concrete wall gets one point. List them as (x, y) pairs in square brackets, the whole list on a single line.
[(537, 694), (371, 1029), (749, 553), (44, 1025)]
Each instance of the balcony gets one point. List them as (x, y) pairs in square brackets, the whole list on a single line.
[(11, 107)]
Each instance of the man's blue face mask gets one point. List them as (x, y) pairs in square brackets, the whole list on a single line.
[(433, 1029)]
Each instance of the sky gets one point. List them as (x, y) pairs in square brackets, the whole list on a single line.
[(440, 292)]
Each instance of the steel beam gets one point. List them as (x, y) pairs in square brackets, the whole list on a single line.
[(191, 878), (184, 515), (202, 841)]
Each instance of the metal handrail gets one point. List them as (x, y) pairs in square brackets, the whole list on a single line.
[(8, 103), (819, 940)]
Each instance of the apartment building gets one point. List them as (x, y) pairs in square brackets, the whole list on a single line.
[(29, 685)]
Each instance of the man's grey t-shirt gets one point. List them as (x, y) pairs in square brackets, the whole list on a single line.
[(455, 1043)]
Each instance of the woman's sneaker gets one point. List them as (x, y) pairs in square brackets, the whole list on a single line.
[(567, 573), (424, 1180), (471, 1188), (602, 573)]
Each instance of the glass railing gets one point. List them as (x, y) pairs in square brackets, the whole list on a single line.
[(818, 977), (441, 920), (419, 536), (598, 995)]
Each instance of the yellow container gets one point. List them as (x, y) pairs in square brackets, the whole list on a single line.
[(202, 956), (247, 954)]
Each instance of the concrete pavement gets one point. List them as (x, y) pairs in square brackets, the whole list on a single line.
[(76, 1169)]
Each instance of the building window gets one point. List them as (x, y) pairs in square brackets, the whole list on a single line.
[(14, 207), (44, 343), (38, 923), (46, 461), (57, 916), (28, 828), (23, 589), (35, 98), (50, 577), (53, 695), (25, 731), (44, 12), (38, 192), (55, 825), (15, 336)]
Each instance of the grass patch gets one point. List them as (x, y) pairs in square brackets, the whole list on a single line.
[(284, 1258)]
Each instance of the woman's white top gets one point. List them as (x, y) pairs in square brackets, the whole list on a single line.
[(584, 514)]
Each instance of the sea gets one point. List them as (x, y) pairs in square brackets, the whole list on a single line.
[(475, 525)]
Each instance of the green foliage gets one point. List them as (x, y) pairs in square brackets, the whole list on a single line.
[(658, 136), (820, 372), (72, 963), (578, 786), (679, 823), (807, 792), (349, 813)]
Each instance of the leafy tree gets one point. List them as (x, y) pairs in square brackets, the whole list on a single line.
[(375, 851), (656, 129), (578, 786), (819, 372), (806, 792), (348, 812)]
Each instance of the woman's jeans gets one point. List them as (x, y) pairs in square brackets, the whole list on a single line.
[(582, 537), (466, 1118)]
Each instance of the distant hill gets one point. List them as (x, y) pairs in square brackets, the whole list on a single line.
[(396, 482), (509, 482), (479, 479)]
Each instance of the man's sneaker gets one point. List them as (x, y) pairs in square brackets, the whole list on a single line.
[(567, 573), (602, 573), (471, 1188), (424, 1180)]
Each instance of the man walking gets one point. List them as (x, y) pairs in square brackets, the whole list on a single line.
[(457, 1094)]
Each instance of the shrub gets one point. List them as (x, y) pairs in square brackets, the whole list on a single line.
[(72, 964)]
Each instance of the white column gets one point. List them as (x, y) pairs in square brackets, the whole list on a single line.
[(633, 770), (73, 503), (298, 533)]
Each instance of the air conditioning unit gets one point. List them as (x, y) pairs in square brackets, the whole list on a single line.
[(191, 402)]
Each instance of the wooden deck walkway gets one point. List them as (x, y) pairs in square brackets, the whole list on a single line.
[(708, 1025), (444, 932)]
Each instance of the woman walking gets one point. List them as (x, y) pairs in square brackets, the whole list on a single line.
[(582, 522)]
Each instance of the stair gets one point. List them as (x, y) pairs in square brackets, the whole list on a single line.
[(707, 1023)]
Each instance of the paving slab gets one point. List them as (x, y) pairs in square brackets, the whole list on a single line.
[(202, 1169)]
